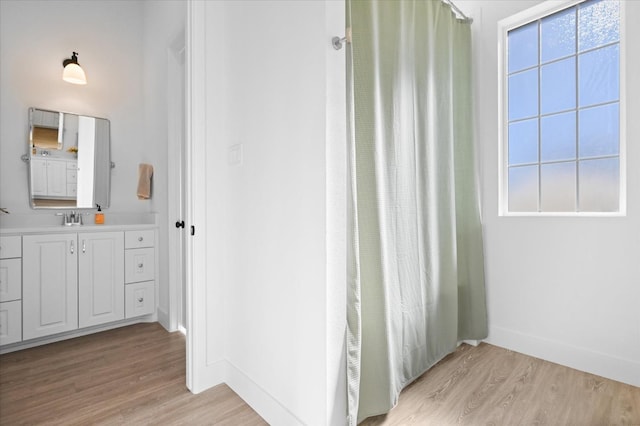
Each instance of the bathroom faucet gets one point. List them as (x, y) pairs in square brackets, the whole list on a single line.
[(71, 218)]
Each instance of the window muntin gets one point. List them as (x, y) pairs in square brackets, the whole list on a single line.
[(562, 133)]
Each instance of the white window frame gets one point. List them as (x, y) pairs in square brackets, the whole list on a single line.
[(539, 11)]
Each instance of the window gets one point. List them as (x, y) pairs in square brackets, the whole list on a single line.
[(562, 151)]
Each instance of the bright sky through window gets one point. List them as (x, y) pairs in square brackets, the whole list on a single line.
[(563, 112)]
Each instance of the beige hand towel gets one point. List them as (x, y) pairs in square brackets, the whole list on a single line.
[(145, 172)]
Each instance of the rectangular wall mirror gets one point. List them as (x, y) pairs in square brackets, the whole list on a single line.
[(69, 160)]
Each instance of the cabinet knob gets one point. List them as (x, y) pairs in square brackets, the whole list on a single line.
[(140, 299), (140, 265), (140, 239)]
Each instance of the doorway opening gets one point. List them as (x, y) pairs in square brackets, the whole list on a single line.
[(176, 184)]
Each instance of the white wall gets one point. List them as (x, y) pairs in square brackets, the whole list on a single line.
[(267, 69), (35, 37), (562, 289)]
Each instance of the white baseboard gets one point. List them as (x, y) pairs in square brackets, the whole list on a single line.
[(212, 375), (263, 403), (611, 367), (164, 319), (270, 409)]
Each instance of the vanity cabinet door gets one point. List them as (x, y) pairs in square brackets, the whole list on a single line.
[(49, 177), (57, 178), (10, 268), (10, 322), (49, 284), (101, 278), (10, 247), (38, 176), (10, 280)]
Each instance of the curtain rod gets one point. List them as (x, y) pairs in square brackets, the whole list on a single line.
[(460, 14)]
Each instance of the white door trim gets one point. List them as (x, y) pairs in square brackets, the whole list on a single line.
[(176, 169), (202, 372)]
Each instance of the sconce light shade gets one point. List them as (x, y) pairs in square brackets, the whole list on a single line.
[(72, 72)]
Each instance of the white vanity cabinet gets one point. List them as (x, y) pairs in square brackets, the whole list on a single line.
[(50, 284), (139, 273), (53, 177), (63, 283), (10, 289), (100, 278)]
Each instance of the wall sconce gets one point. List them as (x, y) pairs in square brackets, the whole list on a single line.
[(73, 73)]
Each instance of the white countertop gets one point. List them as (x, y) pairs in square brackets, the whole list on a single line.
[(50, 223)]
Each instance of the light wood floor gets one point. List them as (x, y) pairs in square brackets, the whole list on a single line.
[(136, 376), (128, 376), (487, 385)]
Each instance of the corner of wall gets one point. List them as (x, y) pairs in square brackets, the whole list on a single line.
[(600, 364), (268, 407), (163, 319)]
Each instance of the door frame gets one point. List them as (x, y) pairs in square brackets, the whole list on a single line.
[(176, 113), (199, 375)]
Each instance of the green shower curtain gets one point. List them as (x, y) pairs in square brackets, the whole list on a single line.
[(415, 267)]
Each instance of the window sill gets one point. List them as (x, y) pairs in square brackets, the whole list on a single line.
[(567, 214)]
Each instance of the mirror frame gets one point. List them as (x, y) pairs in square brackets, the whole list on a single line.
[(67, 186)]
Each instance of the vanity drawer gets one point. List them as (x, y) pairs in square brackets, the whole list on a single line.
[(72, 176), (138, 239), (10, 322), (139, 265), (10, 280), (10, 246), (140, 299)]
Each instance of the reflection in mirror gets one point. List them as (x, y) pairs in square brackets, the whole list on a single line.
[(69, 157), (46, 127)]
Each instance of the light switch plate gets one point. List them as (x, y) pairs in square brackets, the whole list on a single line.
[(234, 155)]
